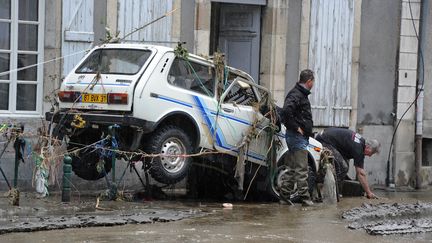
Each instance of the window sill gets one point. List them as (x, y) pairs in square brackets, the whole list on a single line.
[(18, 115)]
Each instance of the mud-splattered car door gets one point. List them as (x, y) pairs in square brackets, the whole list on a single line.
[(240, 121)]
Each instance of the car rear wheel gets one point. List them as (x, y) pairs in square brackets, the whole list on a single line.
[(86, 165), (86, 162), (170, 143)]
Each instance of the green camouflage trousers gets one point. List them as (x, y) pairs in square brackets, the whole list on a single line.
[(297, 164)]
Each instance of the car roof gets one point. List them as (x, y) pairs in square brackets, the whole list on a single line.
[(134, 46), (164, 49)]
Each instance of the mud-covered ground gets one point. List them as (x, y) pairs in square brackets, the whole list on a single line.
[(203, 221), (36, 214), (391, 218)]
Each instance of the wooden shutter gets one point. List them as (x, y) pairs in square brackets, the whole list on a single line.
[(330, 52), (133, 14), (77, 31)]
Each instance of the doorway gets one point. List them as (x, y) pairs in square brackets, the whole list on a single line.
[(236, 31)]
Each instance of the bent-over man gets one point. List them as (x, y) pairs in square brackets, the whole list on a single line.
[(345, 145)]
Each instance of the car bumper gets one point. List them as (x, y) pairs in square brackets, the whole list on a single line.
[(100, 118)]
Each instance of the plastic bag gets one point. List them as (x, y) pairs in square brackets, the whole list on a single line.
[(41, 183), (329, 187)]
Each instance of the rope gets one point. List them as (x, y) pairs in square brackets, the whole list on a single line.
[(47, 142), (242, 147), (82, 51), (40, 63), (271, 151)]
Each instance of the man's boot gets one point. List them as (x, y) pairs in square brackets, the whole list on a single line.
[(285, 191), (301, 164), (286, 187)]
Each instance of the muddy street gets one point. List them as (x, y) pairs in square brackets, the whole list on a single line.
[(193, 221)]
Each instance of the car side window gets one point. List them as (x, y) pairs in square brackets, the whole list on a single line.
[(192, 76), (241, 93)]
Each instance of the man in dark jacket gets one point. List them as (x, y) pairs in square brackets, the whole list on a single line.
[(297, 118), (345, 145)]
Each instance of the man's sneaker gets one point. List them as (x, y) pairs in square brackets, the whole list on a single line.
[(307, 203)]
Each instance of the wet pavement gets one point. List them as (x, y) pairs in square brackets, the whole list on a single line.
[(210, 222)]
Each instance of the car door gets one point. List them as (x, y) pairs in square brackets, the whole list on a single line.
[(184, 86), (239, 120)]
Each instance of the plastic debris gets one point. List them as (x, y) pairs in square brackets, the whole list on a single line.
[(329, 187), (227, 205)]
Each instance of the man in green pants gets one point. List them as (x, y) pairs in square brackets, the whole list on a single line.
[(297, 118)]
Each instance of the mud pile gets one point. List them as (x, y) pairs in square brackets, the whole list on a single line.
[(386, 219), (29, 224)]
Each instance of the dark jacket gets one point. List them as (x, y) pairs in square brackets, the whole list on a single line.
[(296, 111), (348, 143)]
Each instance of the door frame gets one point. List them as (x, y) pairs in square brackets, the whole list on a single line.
[(215, 28)]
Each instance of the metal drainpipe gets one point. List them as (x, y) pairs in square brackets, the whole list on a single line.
[(419, 136), (420, 90)]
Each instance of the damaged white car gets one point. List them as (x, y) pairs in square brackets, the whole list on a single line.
[(165, 108)]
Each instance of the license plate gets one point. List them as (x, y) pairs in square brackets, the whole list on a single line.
[(94, 98)]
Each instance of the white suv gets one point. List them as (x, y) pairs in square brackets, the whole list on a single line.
[(163, 104)]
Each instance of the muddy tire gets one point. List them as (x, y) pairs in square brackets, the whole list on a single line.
[(85, 162), (275, 182), (169, 140), (84, 165)]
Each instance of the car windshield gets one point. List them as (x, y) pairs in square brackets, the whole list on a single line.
[(114, 61)]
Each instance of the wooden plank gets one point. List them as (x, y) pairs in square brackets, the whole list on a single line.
[(314, 54), (253, 2), (120, 21), (77, 19), (349, 74), (78, 36), (136, 19), (341, 37), (72, 15), (340, 67), (134, 14), (327, 57), (339, 62)]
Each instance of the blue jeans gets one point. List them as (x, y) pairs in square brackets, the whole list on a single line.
[(295, 141)]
